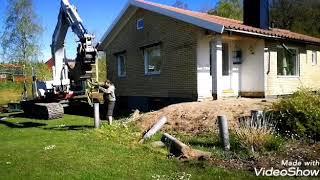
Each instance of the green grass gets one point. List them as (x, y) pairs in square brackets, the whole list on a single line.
[(10, 92), (80, 152)]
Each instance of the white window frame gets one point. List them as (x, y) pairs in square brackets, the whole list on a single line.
[(297, 62), (146, 61), (140, 27), (119, 65), (314, 58)]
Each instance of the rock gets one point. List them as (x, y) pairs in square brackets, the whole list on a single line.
[(158, 144)]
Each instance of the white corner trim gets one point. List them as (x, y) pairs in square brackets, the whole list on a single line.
[(189, 19)]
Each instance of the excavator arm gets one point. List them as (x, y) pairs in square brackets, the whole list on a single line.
[(69, 83), (86, 51)]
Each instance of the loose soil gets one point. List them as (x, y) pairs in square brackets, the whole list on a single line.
[(201, 117)]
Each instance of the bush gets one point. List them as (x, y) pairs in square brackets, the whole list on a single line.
[(102, 67), (257, 135), (298, 116)]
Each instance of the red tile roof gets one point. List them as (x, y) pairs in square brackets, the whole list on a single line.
[(234, 25), (50, 63)]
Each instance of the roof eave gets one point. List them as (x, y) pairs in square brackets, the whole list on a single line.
[(188, 19), (271, 36)]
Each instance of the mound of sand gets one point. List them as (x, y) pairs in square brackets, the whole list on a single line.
[(200, 117)]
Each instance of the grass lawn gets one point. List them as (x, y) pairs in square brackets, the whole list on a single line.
[(10, 92), (70, 149)]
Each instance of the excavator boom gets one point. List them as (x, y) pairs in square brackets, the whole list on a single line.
[(68, 82)]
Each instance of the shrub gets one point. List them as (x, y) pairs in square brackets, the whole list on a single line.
[(257, 135), (102, 67), (298, 116)]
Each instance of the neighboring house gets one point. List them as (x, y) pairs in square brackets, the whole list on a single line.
[(11, 72), (157, 52), (50, 63)]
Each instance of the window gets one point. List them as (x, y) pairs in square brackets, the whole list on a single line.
[(140, 24), (152, 60), (225, 59), (121, 58), (314, 58), (287, 61)]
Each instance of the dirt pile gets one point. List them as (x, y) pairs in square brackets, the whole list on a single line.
[(200, 117)]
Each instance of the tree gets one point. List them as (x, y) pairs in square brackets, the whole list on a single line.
[(301, 16), (229, 9), (180, 4), (19, 40)]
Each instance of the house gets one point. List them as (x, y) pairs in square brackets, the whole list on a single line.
[(50, 63), (161, 53), (11, 72)]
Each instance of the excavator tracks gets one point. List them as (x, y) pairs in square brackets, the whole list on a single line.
[(47, 111)]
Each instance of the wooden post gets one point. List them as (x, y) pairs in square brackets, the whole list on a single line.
[(96, 115), (257, 118), (154, 129), (179, 149), (176, 147), (224, 132)]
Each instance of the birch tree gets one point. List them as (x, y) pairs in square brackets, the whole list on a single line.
[(21, 32)]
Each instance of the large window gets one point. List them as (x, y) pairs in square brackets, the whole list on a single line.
[(121, 59), (152, 60), (288, 61)]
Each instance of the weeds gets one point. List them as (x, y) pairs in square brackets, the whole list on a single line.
[(257, 134)]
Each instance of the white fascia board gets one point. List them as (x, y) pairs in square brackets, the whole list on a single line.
[(253, 33), (189, 19)]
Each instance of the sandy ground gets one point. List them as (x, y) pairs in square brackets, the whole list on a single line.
[(200, 117)]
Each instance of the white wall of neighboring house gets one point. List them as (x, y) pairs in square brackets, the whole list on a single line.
[(252, 67), (204, 79)]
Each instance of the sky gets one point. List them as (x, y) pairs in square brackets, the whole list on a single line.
[(97, 16)]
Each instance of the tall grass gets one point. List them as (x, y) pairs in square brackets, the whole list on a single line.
[(257, 134)]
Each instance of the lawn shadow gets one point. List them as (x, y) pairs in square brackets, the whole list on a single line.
[(204, 144), (70, 128), (22, 125), (79, 109), (85, 110), (12, 115)]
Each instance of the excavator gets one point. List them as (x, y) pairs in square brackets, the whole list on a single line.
[(70, 82)]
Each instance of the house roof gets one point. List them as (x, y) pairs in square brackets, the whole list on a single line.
[(211, 22), (50, 63)]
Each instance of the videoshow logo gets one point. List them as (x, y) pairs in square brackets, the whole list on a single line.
[(293, 168)]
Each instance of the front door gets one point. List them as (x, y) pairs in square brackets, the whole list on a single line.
[(226, 70)]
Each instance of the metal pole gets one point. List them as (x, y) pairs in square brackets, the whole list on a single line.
[(96, 115), (224, 132)]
